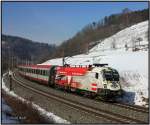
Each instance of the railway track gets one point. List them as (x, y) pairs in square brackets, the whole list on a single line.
[(133, 107), (127, 106), (110, 116)]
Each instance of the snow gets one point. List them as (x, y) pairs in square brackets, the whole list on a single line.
[(132, 66), (45, 113)]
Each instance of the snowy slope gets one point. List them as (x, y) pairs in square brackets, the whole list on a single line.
[(132, 66), (126, 36)]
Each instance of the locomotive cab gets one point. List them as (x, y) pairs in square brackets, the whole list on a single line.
[(108, 79)]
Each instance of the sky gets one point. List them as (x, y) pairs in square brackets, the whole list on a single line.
[(55, 22)]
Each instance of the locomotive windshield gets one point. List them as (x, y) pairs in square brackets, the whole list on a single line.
[(110, 75)]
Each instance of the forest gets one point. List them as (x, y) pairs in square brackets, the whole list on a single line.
[(95, 32)]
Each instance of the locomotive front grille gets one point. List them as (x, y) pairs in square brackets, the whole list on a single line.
[(108, 92)]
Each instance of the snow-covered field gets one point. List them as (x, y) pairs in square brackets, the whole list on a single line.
[(132, 66), (6, 109)]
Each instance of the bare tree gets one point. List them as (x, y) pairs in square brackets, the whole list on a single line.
[(126, 46), (133, 43), (113, 44), (126, 10)]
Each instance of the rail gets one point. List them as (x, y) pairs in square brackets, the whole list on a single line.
[(110, 116)]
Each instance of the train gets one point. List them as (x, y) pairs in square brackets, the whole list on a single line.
[(97, 80)]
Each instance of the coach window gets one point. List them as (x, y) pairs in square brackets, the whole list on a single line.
[(44, 72)]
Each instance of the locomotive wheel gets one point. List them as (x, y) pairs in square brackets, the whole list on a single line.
[(93, 95), (72, 89), (87, 94), (68, 89)]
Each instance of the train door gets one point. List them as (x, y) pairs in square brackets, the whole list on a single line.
[(52, 75)]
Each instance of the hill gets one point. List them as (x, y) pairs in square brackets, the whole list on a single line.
[(91, 34), (16, 50)]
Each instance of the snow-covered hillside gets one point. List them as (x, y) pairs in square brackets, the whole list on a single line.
[(119, 52)]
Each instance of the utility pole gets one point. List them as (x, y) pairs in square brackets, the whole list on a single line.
[(9, 71), (12, 62)]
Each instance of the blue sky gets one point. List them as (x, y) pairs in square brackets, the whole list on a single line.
[(54, 22)]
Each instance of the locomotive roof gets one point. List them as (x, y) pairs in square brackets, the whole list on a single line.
[(97, 69), (72, 70)]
